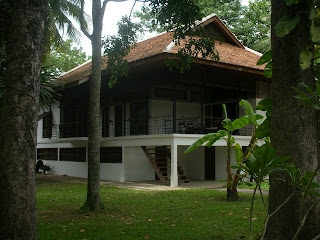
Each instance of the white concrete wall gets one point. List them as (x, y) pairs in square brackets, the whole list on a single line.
[(192, 163), (137, 166), (112, 171), (221, 162), (75, 169)]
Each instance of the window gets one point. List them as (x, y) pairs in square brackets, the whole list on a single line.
[(47, 153), (139, 118), (73, 154), (167, 93), (105, 122), (111, 155), (47, 126)]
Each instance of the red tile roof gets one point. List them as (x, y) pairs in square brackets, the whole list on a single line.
[(229, 55)]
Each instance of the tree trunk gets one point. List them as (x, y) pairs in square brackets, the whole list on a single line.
[(293, 127), (229, 176), (18, 123), (93, 193)]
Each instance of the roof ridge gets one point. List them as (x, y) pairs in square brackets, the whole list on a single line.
[(77, 67)]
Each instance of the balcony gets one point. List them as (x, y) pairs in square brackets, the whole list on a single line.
[(149, 126)]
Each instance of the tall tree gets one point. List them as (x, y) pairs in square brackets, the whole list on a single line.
[(19, 120), (178, 15), (293, 126), (249, 23), (58, 22), (65, 59), (93, 190)]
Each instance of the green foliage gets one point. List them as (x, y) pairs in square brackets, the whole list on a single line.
[(210, 139), (265, 58), (239, 153), (309, 97), (58, 21), (315, 33), (285, 25), (305, 59), (262, 162), (193, 48), (264, 130), (253, 118), (116, 48), (64, 59), (247, 23), (179, 15), (291, 2), (49, 89), (268, 70)]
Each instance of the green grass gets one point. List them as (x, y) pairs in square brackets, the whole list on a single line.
[(133, 214), (264, 186)]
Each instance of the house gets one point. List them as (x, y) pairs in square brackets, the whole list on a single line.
[(149, 118)]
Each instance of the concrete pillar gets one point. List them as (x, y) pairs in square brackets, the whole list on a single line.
[(174, 166), (123, 172)]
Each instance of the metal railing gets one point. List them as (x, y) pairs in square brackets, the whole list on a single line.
[(148, 126)]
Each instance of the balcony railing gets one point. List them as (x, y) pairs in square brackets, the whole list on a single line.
[(149, 126)]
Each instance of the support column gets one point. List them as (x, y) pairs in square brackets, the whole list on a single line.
[(174, 106), (123, 173), (174, 166), (124, 103), (202, 104)]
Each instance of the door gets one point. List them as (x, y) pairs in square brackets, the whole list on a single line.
[(210, 163)]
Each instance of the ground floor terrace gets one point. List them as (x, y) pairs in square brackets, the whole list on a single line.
[(140, 158)]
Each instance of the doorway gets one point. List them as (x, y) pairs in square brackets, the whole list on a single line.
[(210, 163)]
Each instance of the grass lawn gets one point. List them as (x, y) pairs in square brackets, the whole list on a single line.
[(264, 186), (133, 214)]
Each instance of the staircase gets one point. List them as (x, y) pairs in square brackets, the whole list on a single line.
[(160, 159)]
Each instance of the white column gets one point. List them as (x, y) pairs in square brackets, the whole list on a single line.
[(174, 166), (123, 172)]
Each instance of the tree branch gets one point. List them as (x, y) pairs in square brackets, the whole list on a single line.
[(103, 9), (306, 192), (83, 29), (132, 8), (317, 237), (305, 219)]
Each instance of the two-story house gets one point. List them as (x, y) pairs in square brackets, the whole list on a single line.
[(149, 118)]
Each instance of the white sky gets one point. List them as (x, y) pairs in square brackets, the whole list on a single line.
[(114, 12)]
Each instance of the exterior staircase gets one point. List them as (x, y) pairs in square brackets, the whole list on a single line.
[(160, 159)]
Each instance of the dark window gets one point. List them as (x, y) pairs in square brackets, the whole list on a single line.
[(111, 155), (73, 154), (74, 122), (47, 153), (167, 93), (105, 122), (47, 126), (118, 120), (195, 96), (139, 118), (163, 92)]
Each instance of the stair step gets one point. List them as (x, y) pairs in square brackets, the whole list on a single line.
[(159, 157)]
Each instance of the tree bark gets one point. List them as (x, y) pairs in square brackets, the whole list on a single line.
[(293, 127), (18, 121), (93, 192)]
